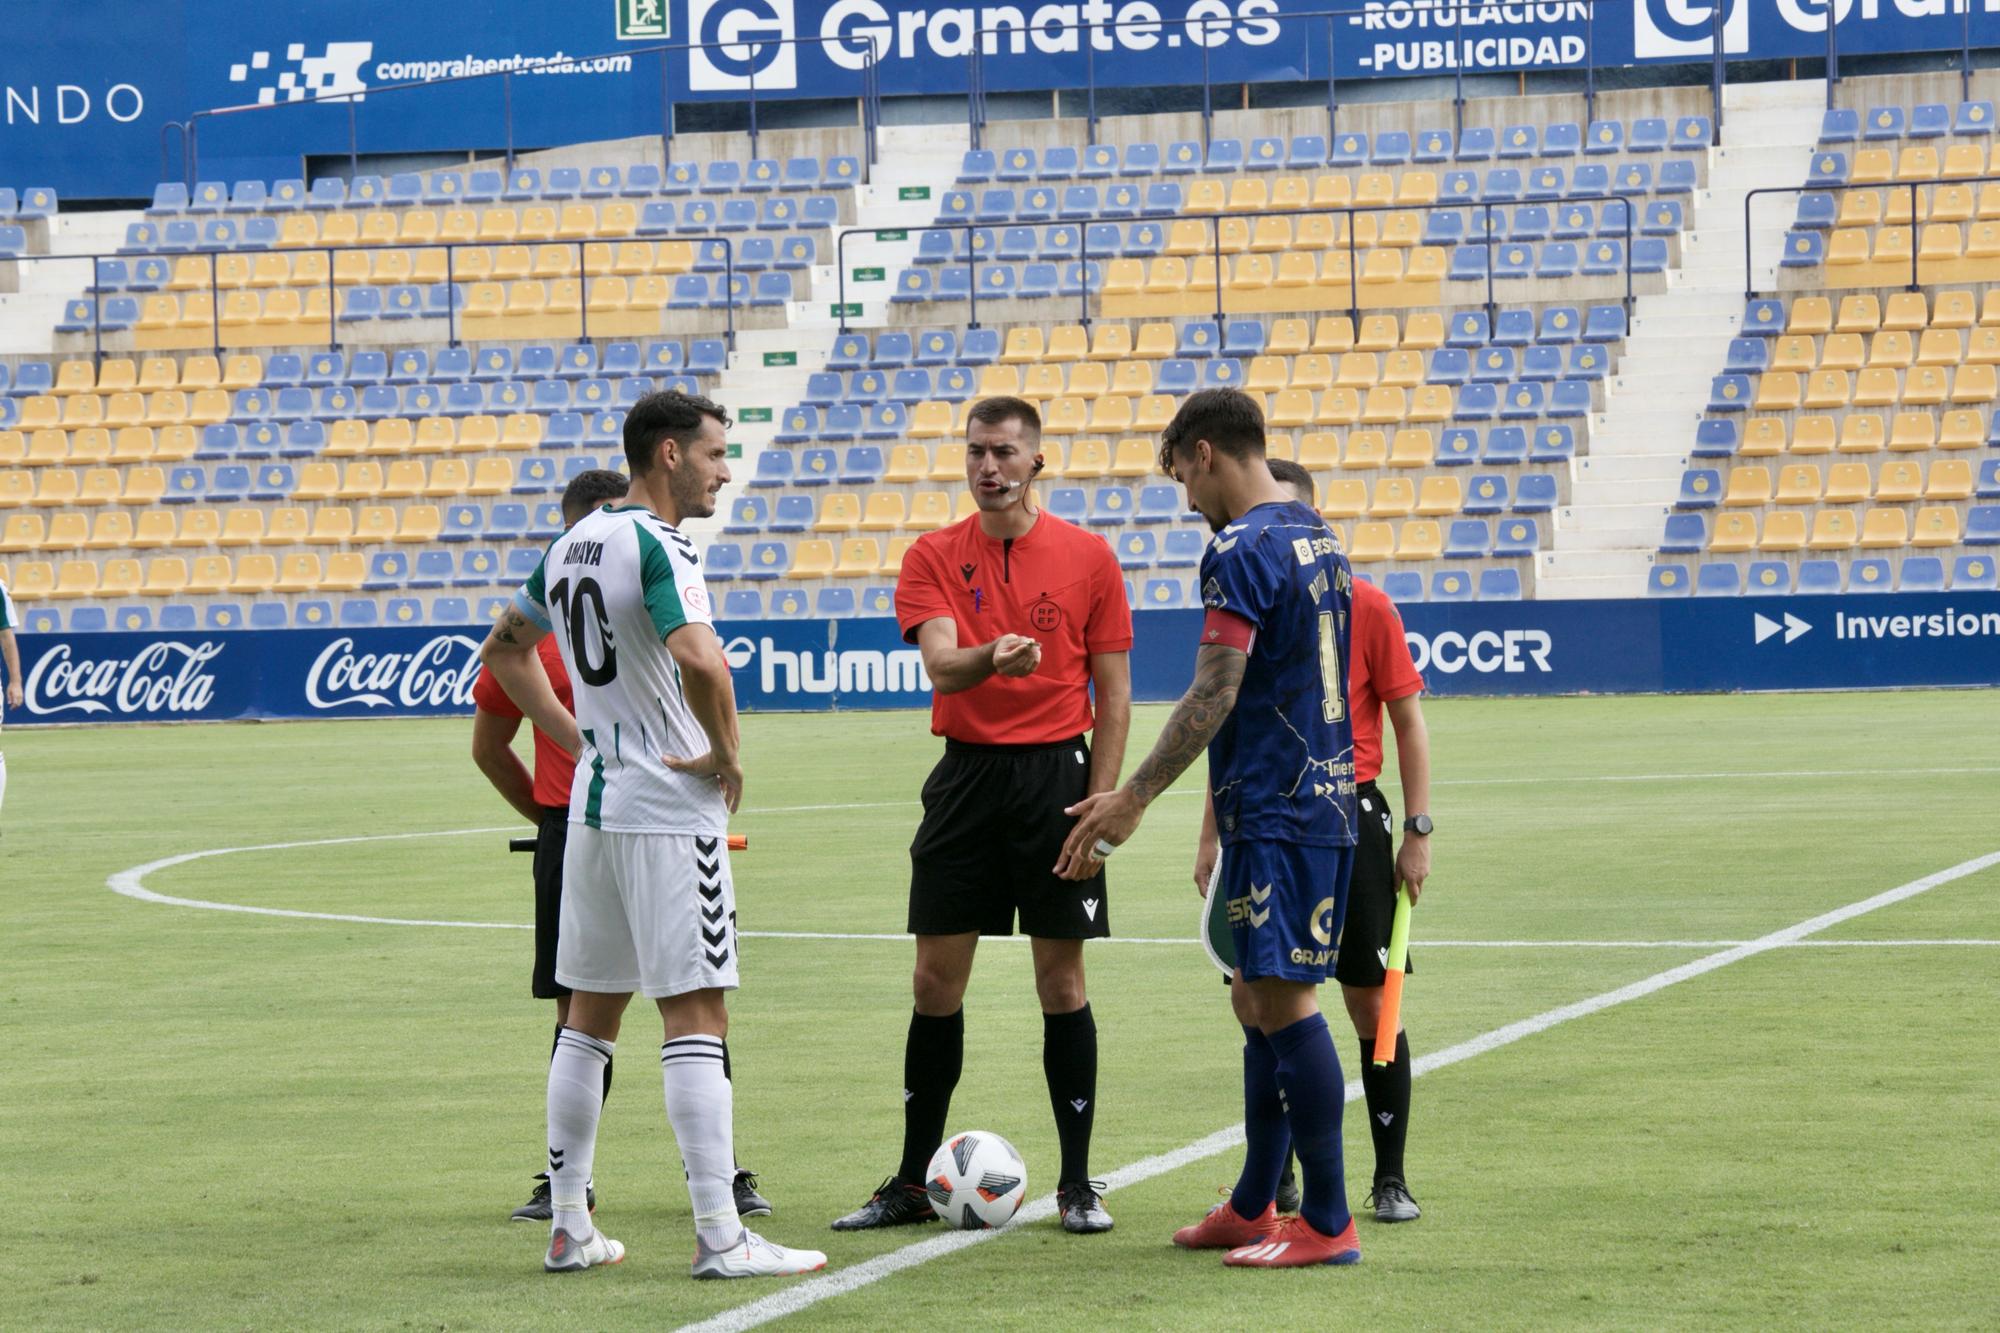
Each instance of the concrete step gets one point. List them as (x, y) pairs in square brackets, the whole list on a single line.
[(1620, 519), (1628, 467), (1604, 491), (25, 321), (1599, 541), (1593, 564), (1559, 588)]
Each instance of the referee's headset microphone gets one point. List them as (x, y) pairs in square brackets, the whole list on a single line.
[(1017, 485)]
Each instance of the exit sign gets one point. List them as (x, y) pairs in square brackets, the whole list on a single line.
[(781, 358), (749, 415), (910, 193)]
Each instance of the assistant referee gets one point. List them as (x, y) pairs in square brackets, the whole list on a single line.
[(1020, 617)]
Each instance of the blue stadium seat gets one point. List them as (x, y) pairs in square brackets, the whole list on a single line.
[(1181, 548), (1605, 136), (1973, 118), (1686, 534), (1982, 526), (1403, 585), (1768, 578), (226, 615), (1517, 538), (1348, 150), (1828, 171), (1840, 125), (1536, 493), (1517, 142), (1819, 576), (1451, 585), (1475, 144), (1431, 147), (1718, 578), (1921, 573), (1975, 572), (1870, 574), (1692, 134), (1467, 539), (1668, 580), (1181, 159), (1099, 161), (1499, 585)]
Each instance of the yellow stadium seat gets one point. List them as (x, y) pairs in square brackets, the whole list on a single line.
[(1338, 407), (242, 527), (1413, 447), (1394, 497), (1828, 388), (1913, 432), (68, 532), (1862, 433), (17, 488), (1924, 386), (331, 526), (1884, 529), (1940, 347), (287, 526), (1365, 449), (1798, 484), (1784, 530), (1134, 457), (209, 575), (375, 524), (1319, 450), (57, 486), (929, 510), (1891, 348), (911, 462), (23, 532), (1777, 391), (949, 462), (166, 576), (1440, 496), (1154, 411), (1832, 530), (75, 578), (1899, 482), (892, 560), (300, 572), (1373, 542), (811, 559), (420, 523), (1088, 457), (1748, 486), (492, 476), (1936, 525), (1955, 310), (1734, 532), (1974, 384), (1848, 483), (111, 530), (404, 479), (1810, 315), (1421, 539), (1111, 342), (1962, 430), (860, 557), (1132, 379), (158, 527), (1290, 408), (885, 512), (839, 511), (361, 481), (1344, 497), (345, 571), (255, 574), (1950, 479)]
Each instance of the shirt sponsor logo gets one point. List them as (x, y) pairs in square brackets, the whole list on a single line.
[(162, 678), (440, 672)]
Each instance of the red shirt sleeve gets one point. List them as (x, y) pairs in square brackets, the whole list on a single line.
[(919, 595), (1391, 671), (1110, 627), (488, 697)]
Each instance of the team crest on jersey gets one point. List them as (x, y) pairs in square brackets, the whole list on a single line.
[(1213, 596), (696, 598)]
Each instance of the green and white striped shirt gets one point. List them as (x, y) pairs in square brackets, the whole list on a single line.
[(611, 590)]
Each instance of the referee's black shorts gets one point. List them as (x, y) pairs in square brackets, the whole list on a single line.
[(1371, 893), (992, 831), (550, 840)]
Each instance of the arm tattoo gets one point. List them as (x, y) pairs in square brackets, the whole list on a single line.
[(1218, 671), (504, 632)]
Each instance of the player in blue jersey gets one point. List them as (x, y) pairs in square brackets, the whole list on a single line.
[(1269, 703)]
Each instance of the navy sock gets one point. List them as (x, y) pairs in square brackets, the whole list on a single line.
[(1268, 1138), (1309, 1081)]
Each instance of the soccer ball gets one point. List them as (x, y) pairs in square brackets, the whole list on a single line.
[(976, 1180)]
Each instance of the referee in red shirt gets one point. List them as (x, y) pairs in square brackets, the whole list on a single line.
[(1021, 618), (1381, 676), (544, 802)]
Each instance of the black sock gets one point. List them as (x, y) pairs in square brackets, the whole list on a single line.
[(932, 1059), (1069, 1059), (1388, 1092)]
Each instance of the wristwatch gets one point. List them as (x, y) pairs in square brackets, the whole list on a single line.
[(1418, 824)]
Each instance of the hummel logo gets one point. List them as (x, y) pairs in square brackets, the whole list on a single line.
[(1258, 895), (1079, 1103), (1090, 908), (555, 1159), (1386, 1117)]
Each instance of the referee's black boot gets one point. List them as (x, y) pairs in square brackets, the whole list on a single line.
[(894, 1203), (1081, 1209), (1288, 1199), (540, 1207), (749, 1203)]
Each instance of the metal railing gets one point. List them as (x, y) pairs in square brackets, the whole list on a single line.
[(1203, 31), (453, 311), (1215, 223), (189, 131), (1750, 289)]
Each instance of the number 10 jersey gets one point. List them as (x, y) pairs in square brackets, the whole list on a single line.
[(611, 590)]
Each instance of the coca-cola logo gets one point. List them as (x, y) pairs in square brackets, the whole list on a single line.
[(439, 673), (164, 677)]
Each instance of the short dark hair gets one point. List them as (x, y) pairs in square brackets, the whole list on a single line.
[(587, 490), (1288, 473), (659, 415), (999, 411), (1229, 419)]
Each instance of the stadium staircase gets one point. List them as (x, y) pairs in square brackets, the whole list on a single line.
[(1605, 540)]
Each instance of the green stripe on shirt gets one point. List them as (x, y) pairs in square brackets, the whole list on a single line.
[(656, 571)]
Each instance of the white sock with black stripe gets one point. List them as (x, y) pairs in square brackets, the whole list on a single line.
[(700, 1106), (576, 1098)]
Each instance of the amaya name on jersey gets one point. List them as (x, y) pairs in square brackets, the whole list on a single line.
[(1282, 766), (611, 590)]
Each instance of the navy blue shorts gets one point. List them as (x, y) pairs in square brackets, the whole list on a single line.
[(1285, 902)]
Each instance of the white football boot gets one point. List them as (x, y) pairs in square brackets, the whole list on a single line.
[(753, 1256), (567, 1254)]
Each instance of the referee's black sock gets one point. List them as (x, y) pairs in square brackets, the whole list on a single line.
[(932, 1060), (1069, 1059), (1388, 1093)]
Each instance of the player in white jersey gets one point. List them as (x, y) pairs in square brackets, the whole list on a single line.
[(10, 655), (648, 904)]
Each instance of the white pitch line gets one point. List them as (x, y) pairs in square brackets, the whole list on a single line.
[(132, 884), (814, 1290)]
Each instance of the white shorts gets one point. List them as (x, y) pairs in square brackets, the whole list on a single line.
[(647, 912)]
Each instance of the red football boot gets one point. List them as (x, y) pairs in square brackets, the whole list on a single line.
[(1226, 1229), (1295, 1244)]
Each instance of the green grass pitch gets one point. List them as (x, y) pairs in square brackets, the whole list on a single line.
[(215, 1119)]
